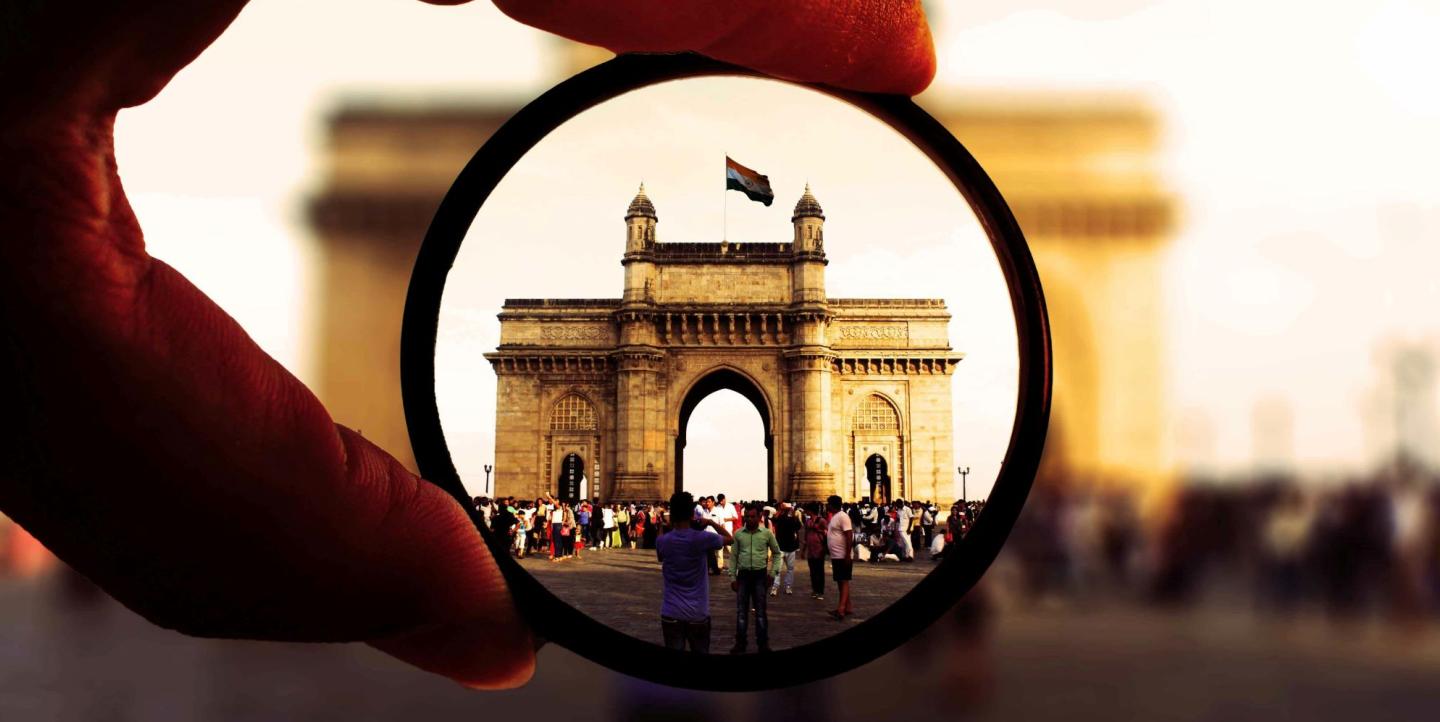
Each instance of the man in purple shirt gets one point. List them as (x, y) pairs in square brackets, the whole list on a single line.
[(685, 611)]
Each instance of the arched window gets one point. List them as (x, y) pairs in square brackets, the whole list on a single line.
[(876, 414), (573, 413)]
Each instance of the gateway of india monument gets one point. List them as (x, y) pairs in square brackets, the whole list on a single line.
[(594, 395)]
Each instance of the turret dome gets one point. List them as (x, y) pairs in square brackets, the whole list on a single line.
[(808, 207), (641, 206)]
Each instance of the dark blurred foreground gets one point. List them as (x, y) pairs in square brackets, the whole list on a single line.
[(1246, 602)]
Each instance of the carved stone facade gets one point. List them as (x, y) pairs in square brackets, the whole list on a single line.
[(853, 394)]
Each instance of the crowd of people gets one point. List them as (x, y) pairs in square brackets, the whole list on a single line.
[(1371, 546), (759, 545)]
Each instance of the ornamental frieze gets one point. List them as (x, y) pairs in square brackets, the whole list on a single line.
[(574, 333), (872, 333)]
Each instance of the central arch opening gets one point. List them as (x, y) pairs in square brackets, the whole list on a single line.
[(725, 456)]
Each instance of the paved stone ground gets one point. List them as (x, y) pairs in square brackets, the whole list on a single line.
[(67, 655), (622, 588)]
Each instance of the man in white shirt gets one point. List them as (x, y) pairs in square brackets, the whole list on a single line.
[(840, 538), (706, 510), (906, 518), (726, 515)]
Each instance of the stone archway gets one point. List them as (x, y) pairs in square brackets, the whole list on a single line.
[(696, 317), (725, 379)]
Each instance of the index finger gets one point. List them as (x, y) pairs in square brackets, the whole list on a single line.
[(872, 46)]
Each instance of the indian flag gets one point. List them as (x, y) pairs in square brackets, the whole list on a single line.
[(756, 187)]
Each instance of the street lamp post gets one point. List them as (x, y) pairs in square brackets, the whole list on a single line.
[(488, 469), (963, 471)]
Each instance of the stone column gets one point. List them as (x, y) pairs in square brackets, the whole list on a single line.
[(639, 432), (812, 456)]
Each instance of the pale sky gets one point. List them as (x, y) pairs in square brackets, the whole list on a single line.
[(895, 228), (1300, 139)]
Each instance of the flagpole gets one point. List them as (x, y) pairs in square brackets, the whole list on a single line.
[(725, 213)]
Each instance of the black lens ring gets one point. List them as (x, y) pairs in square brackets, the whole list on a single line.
[(556, 621)]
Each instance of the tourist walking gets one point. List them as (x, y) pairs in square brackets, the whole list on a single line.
[(622, 524), (557, 525), (523, 519), (707, 508), (653, 520), (727, 514), (685, 604), (841, 541), (927, 525), (607, 527), (582, 524), (750, 576), (816, 548), (787, 529), (905, 526), (568, 530), (638, 522)]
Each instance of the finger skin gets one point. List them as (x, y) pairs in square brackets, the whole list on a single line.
[(870, 45), (157, 449)]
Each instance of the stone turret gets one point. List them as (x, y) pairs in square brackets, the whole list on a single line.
[(640, 221), (809, 222), (808, 270), (809, 358)]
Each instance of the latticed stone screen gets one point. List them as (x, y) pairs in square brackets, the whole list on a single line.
[(573, 413), (876, 414)]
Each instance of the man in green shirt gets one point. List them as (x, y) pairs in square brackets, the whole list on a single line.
[(755, 550)]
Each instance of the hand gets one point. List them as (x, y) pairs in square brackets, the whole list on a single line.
[(154, 447)]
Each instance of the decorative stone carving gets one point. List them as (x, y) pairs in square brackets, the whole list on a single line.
[(574, 333), (873, 332)]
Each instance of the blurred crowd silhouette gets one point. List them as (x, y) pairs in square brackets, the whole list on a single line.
[(1362, 546)]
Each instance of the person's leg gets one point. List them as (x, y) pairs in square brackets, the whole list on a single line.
[(674, 633), (780, 567), (844, 606), (742, 616), (699, 636), (762, 621), (817, 577)]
